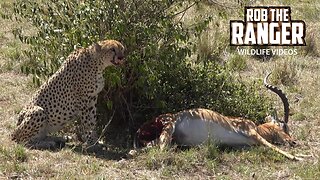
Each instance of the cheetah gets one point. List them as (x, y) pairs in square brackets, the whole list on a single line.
[(69, 95)]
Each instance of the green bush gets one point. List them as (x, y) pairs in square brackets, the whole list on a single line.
[(159, 76)]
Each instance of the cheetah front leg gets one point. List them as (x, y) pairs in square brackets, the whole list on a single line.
[(87, 127), (32, 130)]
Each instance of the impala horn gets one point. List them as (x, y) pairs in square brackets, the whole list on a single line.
[(284, 100)]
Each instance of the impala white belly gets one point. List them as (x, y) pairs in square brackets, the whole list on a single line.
[(193, 131)]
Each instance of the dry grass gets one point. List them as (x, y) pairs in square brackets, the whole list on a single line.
[(198, 163)]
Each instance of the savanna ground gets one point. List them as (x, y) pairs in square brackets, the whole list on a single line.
[(298, 76)]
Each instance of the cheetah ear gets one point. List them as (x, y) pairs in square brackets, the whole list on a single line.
[(96, 47)]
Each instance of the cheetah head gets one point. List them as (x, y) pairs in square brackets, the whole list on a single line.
[(110, 52)]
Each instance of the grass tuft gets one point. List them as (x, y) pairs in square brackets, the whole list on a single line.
[(20, 153), (237, 62), (285, 73), (172, 161)]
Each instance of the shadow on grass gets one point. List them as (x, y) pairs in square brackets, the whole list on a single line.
[(109, 151), (103, 152)]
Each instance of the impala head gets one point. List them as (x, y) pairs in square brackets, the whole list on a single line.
[(151, 130), (276, 130), (274, 134)]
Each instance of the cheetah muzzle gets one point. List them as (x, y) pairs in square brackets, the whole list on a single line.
[(70, 94)]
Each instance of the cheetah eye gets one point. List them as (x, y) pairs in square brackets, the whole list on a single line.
[(113, 49)]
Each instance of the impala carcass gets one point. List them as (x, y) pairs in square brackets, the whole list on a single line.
[(196, 126)]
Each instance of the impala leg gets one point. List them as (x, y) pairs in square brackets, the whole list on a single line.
[(166, 135), (260, 139)]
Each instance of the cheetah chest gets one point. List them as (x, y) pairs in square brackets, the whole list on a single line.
[(99, 85)]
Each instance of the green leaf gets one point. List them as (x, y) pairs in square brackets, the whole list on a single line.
[(109, 104)]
